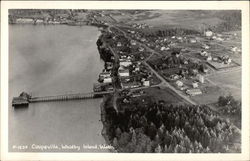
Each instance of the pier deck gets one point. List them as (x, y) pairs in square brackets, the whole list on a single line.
[(67, 97)]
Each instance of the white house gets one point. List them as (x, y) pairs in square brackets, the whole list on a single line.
[(201, 78), (204, 53), (119, 44), (208, 33), (105, 74), (107, 80), (209, 58), (195, 84), (133, 42), (146, 83), (123, 72), (193, 92), (192, 40), (125, 63), (179, 83)]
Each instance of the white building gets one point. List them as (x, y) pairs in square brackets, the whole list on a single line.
[(107, 80), (123, 72), (119, 44), (105, 74), (193, 92), (208, 33), (204, 53), (146, 83), (195, 84), (192, 40), (209, 58), (132, 42), (201, 78), (179, 83), (125, 63)]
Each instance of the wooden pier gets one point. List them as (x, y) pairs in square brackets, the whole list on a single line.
[(68, 97), (16, 101)]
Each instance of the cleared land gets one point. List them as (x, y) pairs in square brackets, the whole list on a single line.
[(186, 19), (165, 94), (230, 81)]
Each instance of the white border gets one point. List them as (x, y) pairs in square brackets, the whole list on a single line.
[(170, 5)]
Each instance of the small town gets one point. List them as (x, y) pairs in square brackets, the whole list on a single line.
[(165, 89)]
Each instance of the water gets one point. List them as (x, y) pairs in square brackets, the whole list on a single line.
[(51, 60)]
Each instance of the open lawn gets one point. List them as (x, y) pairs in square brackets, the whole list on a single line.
[(165, 94)]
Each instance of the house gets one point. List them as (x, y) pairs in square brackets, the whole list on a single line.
[(104, 75), (163, 48), (24, 20), (215, 59), (192, 40), (235, 49), (228, 61), (109, 65), (194, 92), (204, 68), (174, 77), (201, 78), (126, 85), (137, 68), (195, 84), (183, 88), (179, 83), (209, 58), (119, 44), (125, 63), (107, 80), (203, 53), (146, 83), (133, 42), (205, 46), (208, 33), (123, 72)]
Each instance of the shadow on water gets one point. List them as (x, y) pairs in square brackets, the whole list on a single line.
[(20, 108)]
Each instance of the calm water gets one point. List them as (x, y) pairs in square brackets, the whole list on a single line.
[(51, 60)]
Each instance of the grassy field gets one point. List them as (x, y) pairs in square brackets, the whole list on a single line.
[(164, 94), (185, 19), (229, 81)]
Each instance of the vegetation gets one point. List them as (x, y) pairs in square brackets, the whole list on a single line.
[(161, 127), (169, 32), (230, 105)]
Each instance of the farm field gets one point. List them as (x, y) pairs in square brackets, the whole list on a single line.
[(187, 19), (229, 81)]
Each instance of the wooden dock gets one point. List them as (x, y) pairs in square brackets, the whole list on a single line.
[(68, 97)]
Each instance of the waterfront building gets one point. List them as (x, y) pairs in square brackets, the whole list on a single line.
[(104, 75), (107, 80)]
